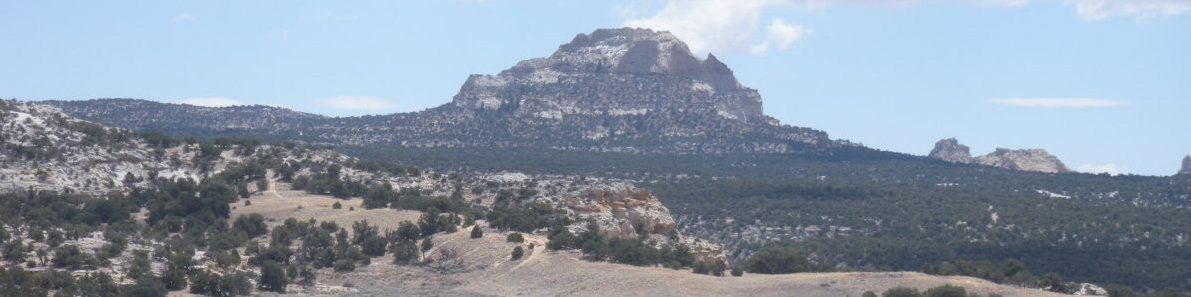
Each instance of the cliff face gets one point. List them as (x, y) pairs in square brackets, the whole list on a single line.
[(616, 72)]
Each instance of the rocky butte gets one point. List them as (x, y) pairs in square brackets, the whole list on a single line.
[(1036, 160), (616, 72)]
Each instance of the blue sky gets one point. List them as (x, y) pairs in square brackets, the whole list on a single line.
[(1103, 84)]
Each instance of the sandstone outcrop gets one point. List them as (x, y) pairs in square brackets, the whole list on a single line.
[(1036, 160)]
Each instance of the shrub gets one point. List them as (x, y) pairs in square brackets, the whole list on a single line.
[(147, 285), (345, 265), (737, 271), (718, 267), (946, 291), (252, 224), (476, 232), (779, 260), (337, 205), (901, 292), (404, 252), (700, 268), (273, 277), (69, 256), (515, 237), (427, 243), (518, 253)]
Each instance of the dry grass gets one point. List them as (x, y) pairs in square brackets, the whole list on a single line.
[(280, 203), (490, 272)]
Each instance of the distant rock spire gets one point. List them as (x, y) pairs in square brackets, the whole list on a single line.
[(951, 151), (1186, 165)]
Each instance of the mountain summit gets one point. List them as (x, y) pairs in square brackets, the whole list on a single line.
[(616, 72)]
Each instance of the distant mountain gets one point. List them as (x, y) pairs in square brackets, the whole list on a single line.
[(144, 115), (1037, 160), (1186, 165), (614, 90)]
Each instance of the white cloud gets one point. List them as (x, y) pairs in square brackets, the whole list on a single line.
[(713, 25), (781, 34), (183, 17), (211, 101), (1110, 168), (1060, 102), (357, 103), (785, 35), (760, 48), (1095, 10)]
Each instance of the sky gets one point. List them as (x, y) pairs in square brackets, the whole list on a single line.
[(1103, 84)]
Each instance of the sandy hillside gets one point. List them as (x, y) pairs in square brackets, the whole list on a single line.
[(279, 202), (489, 271)]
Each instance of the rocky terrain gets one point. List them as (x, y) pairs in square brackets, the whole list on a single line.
[(43, 149), (1036, 160), (47, 151), (614, 90)]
